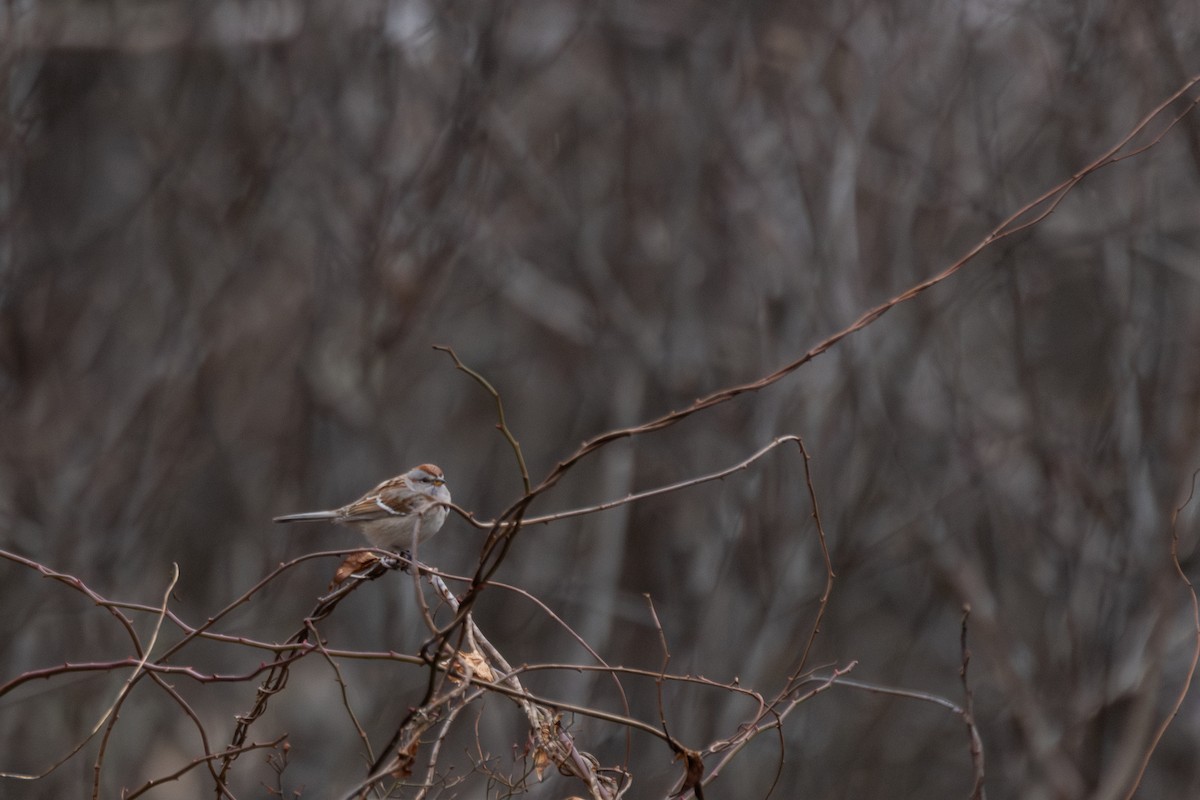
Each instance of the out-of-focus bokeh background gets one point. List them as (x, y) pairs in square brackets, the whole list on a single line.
[(232, 231)]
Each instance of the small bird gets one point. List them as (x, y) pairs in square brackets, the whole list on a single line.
[(396, 515)]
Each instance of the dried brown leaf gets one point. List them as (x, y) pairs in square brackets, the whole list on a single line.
[(541, 761), (692, 775), (355, 562), (473, 660), (404, 761)]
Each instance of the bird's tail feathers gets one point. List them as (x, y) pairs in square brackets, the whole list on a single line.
[(308, 516)]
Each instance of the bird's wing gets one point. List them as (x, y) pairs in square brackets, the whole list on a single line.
[(386, 500)]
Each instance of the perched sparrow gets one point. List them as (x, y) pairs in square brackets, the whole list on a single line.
[(397, 514)]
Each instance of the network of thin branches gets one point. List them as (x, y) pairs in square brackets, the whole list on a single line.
[(845, 359)]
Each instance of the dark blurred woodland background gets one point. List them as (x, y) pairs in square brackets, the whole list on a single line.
[(232, 232)]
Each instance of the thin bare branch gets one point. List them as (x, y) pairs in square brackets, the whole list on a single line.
[(1185, 688), (502, 424), (968, 713), (207, 758)]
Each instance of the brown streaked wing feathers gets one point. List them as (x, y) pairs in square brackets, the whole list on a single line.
[(392, 494)]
